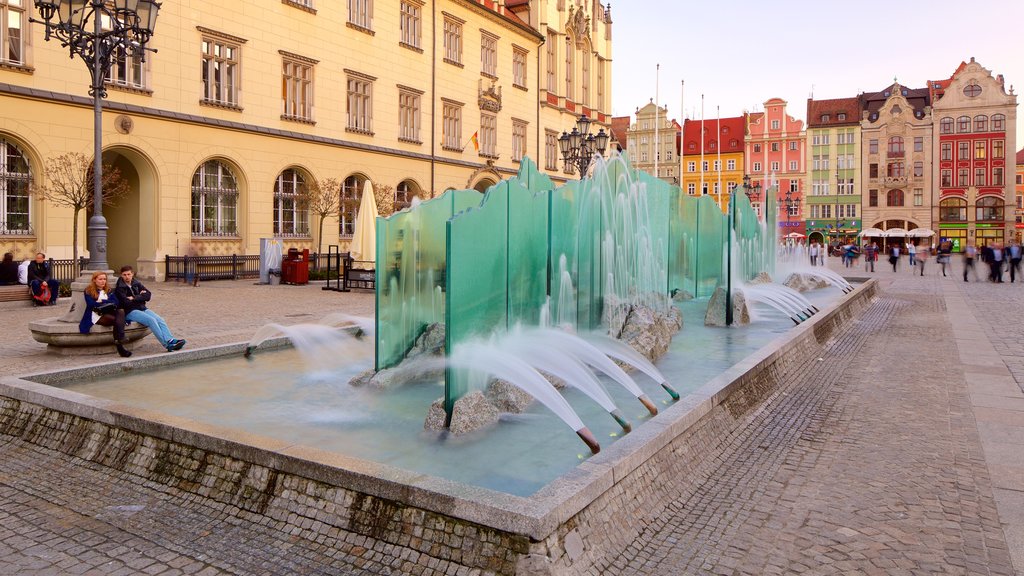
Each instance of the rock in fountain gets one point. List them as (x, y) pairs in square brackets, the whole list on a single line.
[(472, 412), (804, 282), (716, 309), (761, 278), (430, 344)]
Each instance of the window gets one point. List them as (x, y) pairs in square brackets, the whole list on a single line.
[(360, 104), (896, 146), (997, 176), (452, 40), (488, 135), (568, 67), (409, 115), (15, 183), (411, 23), (794, 186), (757, 166), (793, 145), (757, 148), (360, 13), (894, 198), (717, 166), (585, 77), (981, 123), (704, 166), (775, 146), (998, 148), (551, 153), (599, 103), (775, 124), (963, 177), (824, 139), (963, 150), (220, 71), (825, 118), (972, 90), (519, 67), (918, 196), (946, 178), (12, 32), (126, 70), (290, 215), (979, 177), (946, 151), (775, 166), (841, 116), (518, 140), (729, 165), (895, 170), (691, 188), (918, 169), (918, 144), (989, 209), (691, 166), (953, 210), (404, 193), (963, 124), (998, 122), (873, 198), (351, 194), (297, 90), (873, 170), (551, 62), (793, 165), (946, 125), (713, 145), (872, 146), (451, 126), (489, 54), (214, 200), (979, 150)]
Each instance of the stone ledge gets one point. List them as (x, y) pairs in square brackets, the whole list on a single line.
[(64, 338)]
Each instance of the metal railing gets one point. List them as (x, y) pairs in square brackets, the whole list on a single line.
[(65, 271), (194, 268)]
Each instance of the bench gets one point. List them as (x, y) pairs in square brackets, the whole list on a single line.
[(15, 293), (61, 335)]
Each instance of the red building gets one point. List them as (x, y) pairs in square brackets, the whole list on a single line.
[(774, 146)]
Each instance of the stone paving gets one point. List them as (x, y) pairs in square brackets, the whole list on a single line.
[(900, 450)]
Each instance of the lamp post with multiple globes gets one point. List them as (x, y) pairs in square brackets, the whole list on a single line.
[(579, 147)]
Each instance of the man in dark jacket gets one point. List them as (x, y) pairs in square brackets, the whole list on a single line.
[(38, 274), (132, 296)]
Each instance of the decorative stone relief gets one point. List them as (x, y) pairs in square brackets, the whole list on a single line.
[(489, 98)]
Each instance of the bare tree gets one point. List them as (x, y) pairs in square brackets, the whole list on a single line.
[(384, 195), (322, 197), (70, 185)]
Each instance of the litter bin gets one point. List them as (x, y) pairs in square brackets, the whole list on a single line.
[(295, 267)]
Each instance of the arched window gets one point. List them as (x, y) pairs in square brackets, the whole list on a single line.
[(15, 180), (351, 194), (569, 63), (998, 122), (946, 125), (291, 218), (963, 124), (894, 198), (585, 77), (953, 210), (896, 146), (988, 209), (981, 123), (404, 193), (214, 200)]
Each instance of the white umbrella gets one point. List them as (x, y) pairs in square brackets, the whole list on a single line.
[(795, 235), (872, 233), (921, 233), (895, 233), (364, 237)]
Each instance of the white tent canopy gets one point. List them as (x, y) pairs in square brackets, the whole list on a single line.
[(921, 233), (872, 233), (896, 233), (364, 236)]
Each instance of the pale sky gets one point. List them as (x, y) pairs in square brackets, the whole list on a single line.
[(740, 53)]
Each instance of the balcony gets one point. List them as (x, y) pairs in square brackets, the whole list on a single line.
[(895, 180)]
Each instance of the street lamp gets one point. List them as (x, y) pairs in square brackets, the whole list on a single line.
[(789, 200), (753, 191), (579, 147), (79, 26)]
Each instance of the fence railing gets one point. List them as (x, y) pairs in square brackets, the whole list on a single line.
[(64, 270), (192, 268)]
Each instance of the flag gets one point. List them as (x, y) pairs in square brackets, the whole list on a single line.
[(475, 140)]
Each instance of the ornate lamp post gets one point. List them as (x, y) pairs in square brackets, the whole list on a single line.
[(579, 147), (753, 191), (789, 200), (97, 31)]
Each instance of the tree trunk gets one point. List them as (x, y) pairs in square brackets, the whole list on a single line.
[(319, 242)]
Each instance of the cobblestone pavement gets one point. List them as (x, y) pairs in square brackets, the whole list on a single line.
[(899, 451)]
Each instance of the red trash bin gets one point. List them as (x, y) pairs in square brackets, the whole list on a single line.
[(295, 267)]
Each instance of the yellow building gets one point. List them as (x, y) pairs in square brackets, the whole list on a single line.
[(651, 144), (713, 157), (247, 102)]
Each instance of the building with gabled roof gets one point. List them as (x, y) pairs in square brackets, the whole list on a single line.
[(832, 199), (712, 152), (774, 155)]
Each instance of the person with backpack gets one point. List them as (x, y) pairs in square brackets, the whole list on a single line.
[(44, 288)]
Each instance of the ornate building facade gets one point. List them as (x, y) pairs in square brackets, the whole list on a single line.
[(832, 199), (248, 103), (775, 155), (651, 143), (975, 118)]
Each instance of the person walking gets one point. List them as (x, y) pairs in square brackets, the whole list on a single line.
[(921, 260), (1013, 253), (912, 252), (970, 254), (133, 296), (894, 255), (870, 255), (945, 251), (998, 255), (813, 251)]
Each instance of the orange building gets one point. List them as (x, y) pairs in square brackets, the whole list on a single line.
[(713, 157)]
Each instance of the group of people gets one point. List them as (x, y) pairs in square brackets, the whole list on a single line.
[(997, 258), (45, 289)]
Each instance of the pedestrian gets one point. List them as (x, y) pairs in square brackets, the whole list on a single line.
[(8, 270), (997, 262), (945, 251), (813, 251), (1013, 253), (101, 308), (912, 252), (133, 296), (921, 259), (970, 253), (38, 277), (894, 255), (870, 255)]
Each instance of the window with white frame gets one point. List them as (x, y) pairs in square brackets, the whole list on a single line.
[(794, 186), (569, 63), (409, 114), (453, 40), (15, 185), (411, 23), (551, 62), (297, 90), (519, 67), (757, 166), (351, 194), (360, 103), (220, 71), (793, 165), (717, 165), (291, 218), (691, 166), (793, 145), (775, 166), (126, 70), (518, 140), (704, 166), (585, 78), (360, 13), (997, 176), (214, 200), (13, 20), (404, 193), (488, 135), (489, 54), (451, 126), (918, 197), (998, 122), (998, 148), (551, 155), (691, 188), (599, 101), (730, 164), (775, 124), (775, 146)]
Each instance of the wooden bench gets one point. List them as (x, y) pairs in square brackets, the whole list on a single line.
[(15, 293)]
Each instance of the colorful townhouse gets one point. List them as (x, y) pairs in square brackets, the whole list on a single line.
[(651, 143), (774, 154), (1019, 197), (832, 203), (974, 127), (713, 157)]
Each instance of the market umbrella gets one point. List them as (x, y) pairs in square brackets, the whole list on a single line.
[(921, 233), (872, 233), (795, 235), (364, 237), (896, 233)]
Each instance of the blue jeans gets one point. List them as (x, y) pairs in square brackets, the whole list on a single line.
[(154, 322)]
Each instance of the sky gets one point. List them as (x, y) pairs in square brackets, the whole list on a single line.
[(740, 53)]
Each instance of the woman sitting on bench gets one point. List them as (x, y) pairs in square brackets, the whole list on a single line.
[(101, 308)]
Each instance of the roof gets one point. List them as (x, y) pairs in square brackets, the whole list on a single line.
[(620, 124), (918, 98), (1020, 157), (818, 109), (731, 137), (506, 11)]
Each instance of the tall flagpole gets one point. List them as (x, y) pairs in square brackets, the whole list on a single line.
[(657, 74), (682, 130), (701, 145), (718, 146)]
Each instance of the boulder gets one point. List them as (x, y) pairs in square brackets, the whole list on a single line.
[(715, 315), (472, 412), (761, 278), (804, 282), (507, 397)]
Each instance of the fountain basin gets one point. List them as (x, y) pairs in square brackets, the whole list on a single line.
[(392, 509)]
